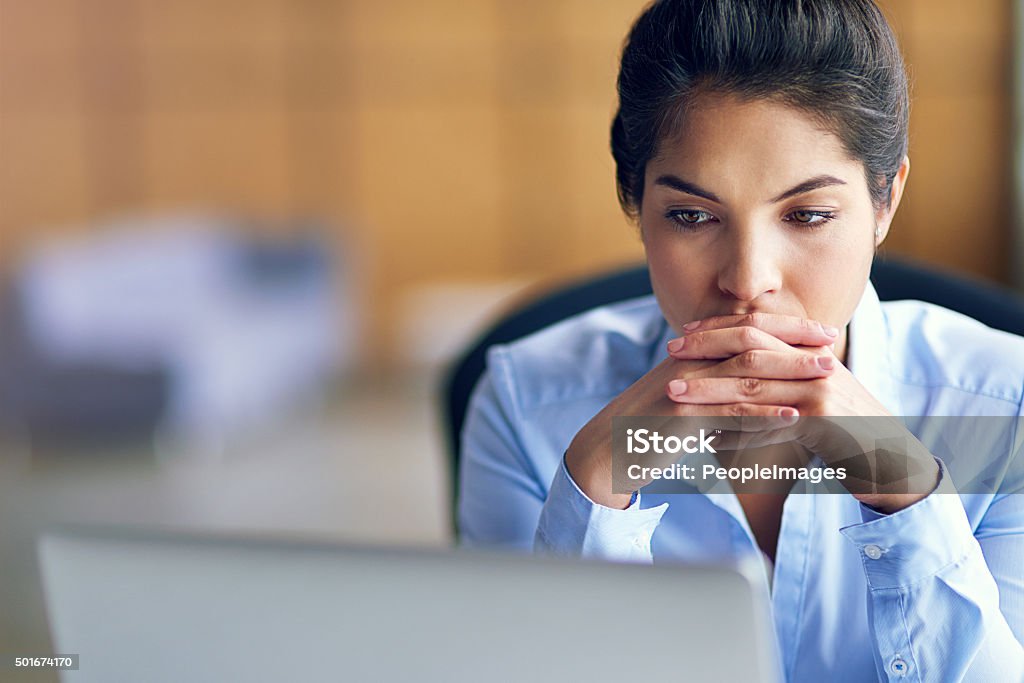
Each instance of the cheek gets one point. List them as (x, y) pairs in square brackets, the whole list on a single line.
[(672, 261), (679, 276), (831, 276)]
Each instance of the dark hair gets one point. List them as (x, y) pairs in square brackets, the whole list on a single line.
[(836, 60)]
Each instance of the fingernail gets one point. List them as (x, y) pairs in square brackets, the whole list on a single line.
[(825, 363), (829, 330), (789, 413), (690, 326), (676, 345), (677, 386)]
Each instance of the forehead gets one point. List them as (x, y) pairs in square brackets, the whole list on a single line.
[(719, 137)]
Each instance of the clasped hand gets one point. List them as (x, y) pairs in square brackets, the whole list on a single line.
[(765, 365), (758, 365)]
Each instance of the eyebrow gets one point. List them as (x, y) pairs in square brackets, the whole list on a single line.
[(681, 185), (815, 183)]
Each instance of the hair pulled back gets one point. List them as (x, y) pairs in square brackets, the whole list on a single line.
[(836, 60)]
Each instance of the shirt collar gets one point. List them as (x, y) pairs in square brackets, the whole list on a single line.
[(867, 350)]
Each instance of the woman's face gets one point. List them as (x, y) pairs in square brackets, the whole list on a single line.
[(753, 206)]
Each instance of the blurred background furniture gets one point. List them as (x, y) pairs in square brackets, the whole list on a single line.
[(183, 325)]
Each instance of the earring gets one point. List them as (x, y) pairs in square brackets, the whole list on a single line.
[(878, 234)]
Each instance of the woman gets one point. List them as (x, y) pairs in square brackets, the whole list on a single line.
[(761, 148)]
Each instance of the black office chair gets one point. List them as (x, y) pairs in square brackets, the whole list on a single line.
[(998, 308)]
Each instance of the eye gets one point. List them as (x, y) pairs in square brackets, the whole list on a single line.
[(810, 217), (689, 219)]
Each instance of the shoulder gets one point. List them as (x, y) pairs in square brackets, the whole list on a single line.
[(939, 348), (596, 353)]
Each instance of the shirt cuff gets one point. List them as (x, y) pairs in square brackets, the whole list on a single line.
[(572, 524), (916, 542)]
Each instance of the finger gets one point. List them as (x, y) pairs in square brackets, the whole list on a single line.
[(772, 365), (788, 328), (739, 416), (684, 418), (716, 390), (724, 343), (735, 426)]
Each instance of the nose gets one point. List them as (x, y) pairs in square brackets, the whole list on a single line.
[(751, 267)]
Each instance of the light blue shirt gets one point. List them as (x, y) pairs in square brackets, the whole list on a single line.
[(934, 592)]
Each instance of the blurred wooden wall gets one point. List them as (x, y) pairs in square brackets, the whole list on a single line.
[(453, 140), (959, 207)]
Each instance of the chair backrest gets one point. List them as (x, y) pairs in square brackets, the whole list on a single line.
[(893, 280)]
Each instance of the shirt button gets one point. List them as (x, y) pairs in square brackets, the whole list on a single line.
[(874, 552), (899, 667)]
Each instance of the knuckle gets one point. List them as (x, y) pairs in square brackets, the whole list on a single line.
[(750, 386), (738, 410), (749, 360), (750, 336), (819, 398), (751, 319)]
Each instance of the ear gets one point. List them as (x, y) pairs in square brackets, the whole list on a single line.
[(883, 218)]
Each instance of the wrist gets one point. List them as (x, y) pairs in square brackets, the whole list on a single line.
[(594, 478), (889, 503)]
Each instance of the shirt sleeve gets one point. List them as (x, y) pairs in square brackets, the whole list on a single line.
[(945, 603), (502, 502), (572, 524)]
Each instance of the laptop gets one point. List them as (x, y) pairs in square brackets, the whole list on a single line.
[(162, 606)]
